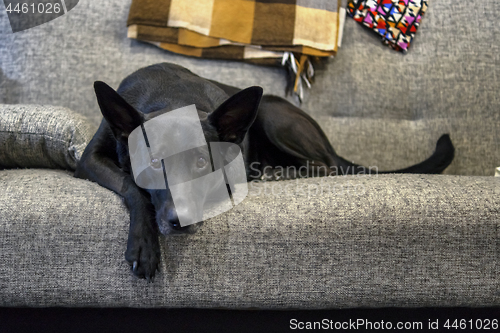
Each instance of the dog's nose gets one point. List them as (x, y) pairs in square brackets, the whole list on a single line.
[(176, 224), (173, 219), (174, 216), (189, 229)]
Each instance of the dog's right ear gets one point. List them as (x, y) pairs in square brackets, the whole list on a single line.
[(120, 115), (233, 118)]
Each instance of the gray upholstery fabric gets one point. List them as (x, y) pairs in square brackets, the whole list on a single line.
[(450, 72), (56, 63), (393, 240), (35, 136), (391, 144)]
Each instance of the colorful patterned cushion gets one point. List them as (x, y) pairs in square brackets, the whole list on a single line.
[(396, 21)]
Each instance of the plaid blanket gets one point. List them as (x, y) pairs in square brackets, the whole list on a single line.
[(251, 30)]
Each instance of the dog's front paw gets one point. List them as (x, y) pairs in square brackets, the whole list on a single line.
[(143, 254)]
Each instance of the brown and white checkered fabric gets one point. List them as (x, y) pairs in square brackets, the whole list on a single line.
[(239, 29)]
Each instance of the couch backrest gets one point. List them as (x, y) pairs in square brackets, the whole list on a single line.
[(450, 73)]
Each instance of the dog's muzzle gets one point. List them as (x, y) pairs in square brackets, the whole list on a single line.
[(157, 140)]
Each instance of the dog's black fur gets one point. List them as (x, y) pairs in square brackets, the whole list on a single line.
[(272, 134)]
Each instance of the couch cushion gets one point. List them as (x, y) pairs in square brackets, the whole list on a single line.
[(35, 136), (392, 240)]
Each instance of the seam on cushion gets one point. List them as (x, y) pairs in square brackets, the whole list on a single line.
[(43, 135)]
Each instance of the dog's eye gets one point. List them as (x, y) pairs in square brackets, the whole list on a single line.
[(201, 162)]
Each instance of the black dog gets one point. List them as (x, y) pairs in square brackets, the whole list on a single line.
[(272, 133)]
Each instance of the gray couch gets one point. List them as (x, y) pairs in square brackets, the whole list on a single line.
[(372, 241)]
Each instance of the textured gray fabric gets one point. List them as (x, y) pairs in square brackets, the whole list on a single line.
[(391, 144), (393, 240), (449, 55), (451, 69), (34, 136), (56, 63), (450, 72)]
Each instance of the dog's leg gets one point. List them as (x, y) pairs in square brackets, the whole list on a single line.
[(293, 139), (294, 144), (143, 249)]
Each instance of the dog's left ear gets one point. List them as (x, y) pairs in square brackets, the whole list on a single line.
[(235, 116)]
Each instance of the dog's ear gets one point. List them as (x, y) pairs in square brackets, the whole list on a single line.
[(235, 116), (120, 115)]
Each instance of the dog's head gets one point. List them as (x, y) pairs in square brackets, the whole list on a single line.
[(228, 123)]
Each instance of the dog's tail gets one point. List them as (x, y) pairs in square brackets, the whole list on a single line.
[(440, 160)]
